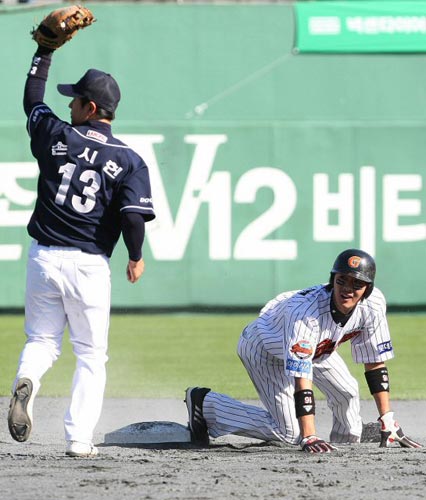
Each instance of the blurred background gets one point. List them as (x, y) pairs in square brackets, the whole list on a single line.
[(277, 134)]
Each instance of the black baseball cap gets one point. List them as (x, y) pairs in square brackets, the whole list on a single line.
[(96, 86)]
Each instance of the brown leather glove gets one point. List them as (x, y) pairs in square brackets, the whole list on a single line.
[(61, 25)]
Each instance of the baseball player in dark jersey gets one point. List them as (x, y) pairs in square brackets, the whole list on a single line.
[(91, 189), (291, 346)]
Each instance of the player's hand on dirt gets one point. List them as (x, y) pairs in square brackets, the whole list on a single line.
[(391, 432), (314, 444), (135, 270)]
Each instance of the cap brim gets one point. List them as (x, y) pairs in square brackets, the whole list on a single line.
[(68, 90)]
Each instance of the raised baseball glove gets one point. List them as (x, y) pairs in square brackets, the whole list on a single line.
[(61, 25)]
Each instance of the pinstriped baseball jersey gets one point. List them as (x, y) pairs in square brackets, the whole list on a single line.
[(298, 327)]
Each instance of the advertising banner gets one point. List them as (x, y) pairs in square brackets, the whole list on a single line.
[(264, 164), (361, 26)]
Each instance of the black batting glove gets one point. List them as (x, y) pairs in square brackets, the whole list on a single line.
[(391, 432), (313, 444)]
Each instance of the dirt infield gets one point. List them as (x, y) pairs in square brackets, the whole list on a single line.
[(231, 468)]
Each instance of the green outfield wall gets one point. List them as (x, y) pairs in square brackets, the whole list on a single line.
[(265, 162)]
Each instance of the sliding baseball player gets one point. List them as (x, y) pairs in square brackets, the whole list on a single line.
[(292, 347)]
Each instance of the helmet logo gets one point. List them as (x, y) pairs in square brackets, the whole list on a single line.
[(354, 261)]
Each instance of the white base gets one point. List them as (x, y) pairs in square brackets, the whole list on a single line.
[(149, 433)]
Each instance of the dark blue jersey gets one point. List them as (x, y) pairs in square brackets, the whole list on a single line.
[(87, 179)]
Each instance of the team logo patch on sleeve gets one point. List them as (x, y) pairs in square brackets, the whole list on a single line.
[(293, 365), (302, 349), (38, 112), (385, 347)]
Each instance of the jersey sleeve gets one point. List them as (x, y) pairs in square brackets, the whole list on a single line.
[(374, 344), (135, 192), (42, 124)]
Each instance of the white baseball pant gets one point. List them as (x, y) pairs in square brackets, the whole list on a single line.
[(277, 420), (68, 286)]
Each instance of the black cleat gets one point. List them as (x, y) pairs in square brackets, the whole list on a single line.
[(19, 418), (194, 397), (371, 432)]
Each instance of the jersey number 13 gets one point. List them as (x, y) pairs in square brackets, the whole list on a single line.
[(85, 203)]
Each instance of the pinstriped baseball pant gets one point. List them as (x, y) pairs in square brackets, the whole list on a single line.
[(277, 420)]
